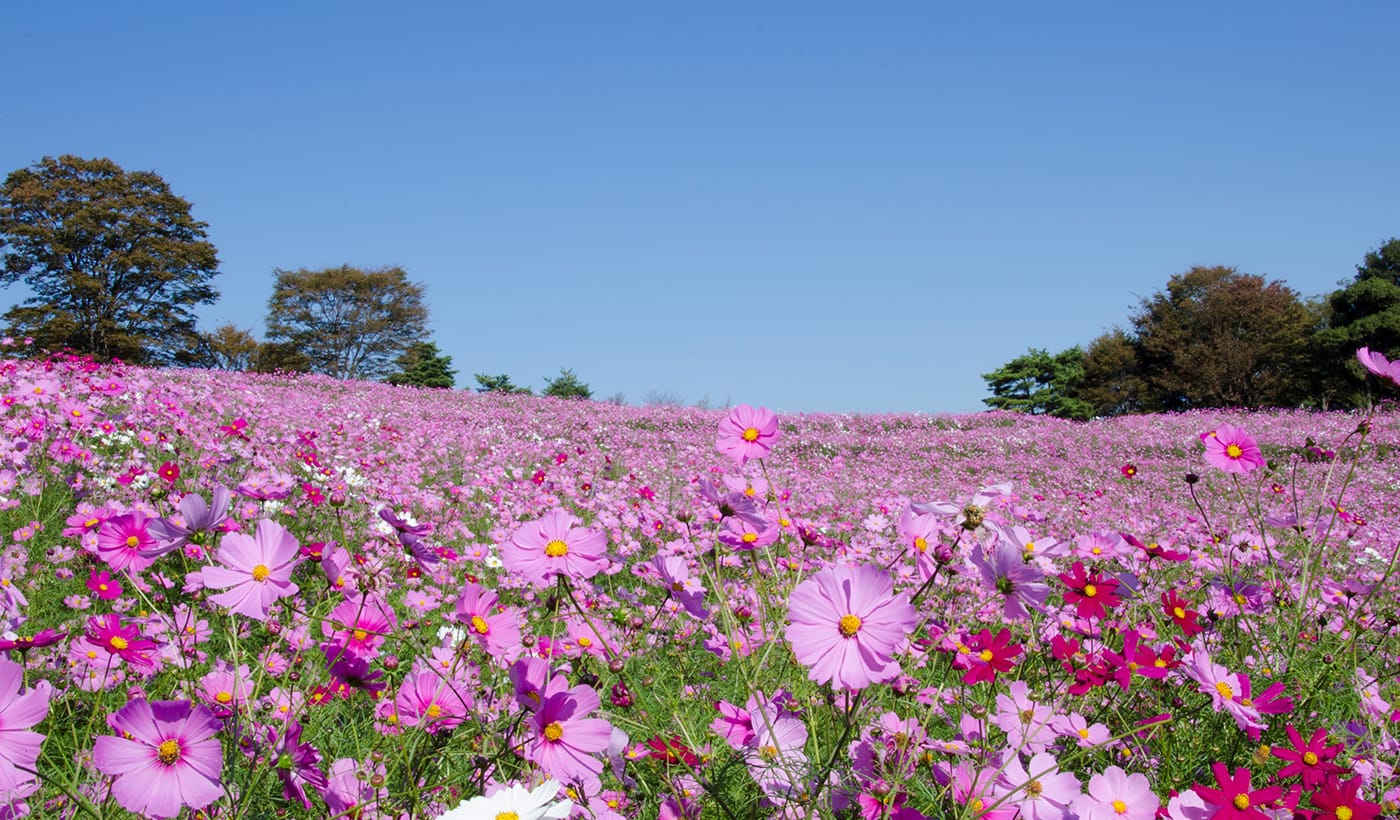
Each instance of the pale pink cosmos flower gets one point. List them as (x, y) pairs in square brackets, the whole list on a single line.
[(1377, 363), (19, 710), (1043, 791), (256, 571), (552, 546), (1117, 795), (166, 759), (846, 623), (747, 433), (1233, 450)]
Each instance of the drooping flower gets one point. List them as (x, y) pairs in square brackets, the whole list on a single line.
[(1231, 449), (165, 759), (747, 433), (1021, 586), (193, 521), (1377, 363), (515, 801), (256, 571), (297, 764), (19, 710), (846, 623), (554, 545)]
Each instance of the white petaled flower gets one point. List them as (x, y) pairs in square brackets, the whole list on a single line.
[(515, 803)]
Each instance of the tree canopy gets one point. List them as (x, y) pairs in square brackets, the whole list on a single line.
[(566, 386), (498, 383), (1040, 383), (348, 323), (114, 259), (423, 365)]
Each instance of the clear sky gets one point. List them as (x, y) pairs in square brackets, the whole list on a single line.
[(814, 206)]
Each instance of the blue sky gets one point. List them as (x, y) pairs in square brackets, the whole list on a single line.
[(811, 206)]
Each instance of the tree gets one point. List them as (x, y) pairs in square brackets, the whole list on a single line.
[(1220, 338), (566, 386), (284, 357), (114, 260), (422, 365), (1113, 383), (499, 383), (228, 347), (1363, 313), (349, 323), (1039, 383)]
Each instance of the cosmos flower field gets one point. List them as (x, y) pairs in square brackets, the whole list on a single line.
[(231, 595)]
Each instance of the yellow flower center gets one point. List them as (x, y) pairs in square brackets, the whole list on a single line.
[(751, 434), (1342, 812), (556, 549), (132, 541), (260, 573), (1241, 801), (1084, 733), (1310, 758), (361, 634), (921, 544), (433, 710), (849, 625), (1225, 691), (507, 815), (1119, 807), (90, 523), (479, 624), (1234, 451), (585, 642), (750, 537), (1240, 599), (1179, 612), (1034, 788), (1090, 590), (553, 732), (224, 697), (169, 752), (986, 655), (769, 752), (117, 642)]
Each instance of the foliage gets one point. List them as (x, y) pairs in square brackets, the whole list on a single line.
[(1363, 313), (114, 259), (285, 357), (1113, 383), (1039, 383), (499, 383), (1220, 338), (228, 347), (566, 386), (423, 365), (349, 323)]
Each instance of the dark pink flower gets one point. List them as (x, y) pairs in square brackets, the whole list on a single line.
[(1233, 798), (165, 759), (123, 539)]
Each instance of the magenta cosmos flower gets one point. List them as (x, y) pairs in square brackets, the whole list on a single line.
[(845, 625), (166, 759), (747, 433), (123, 541), (256, 571), (1232, 449), (554, 545)]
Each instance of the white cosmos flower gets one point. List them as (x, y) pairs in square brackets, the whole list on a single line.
[(515, 802)]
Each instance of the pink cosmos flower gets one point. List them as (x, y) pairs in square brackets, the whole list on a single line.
[(166, 759), (496, 628), (845, 625), (429, 699), (1232, 449), (747, 433), (107, 632), (1377, 363), (123, 539), (563, 741), (256, 571), (18, 712), (1117, 795), (554, 545)]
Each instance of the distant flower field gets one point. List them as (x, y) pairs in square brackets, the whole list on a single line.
[(231, 595)]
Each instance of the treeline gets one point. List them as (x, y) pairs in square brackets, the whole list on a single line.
[(116, 264), (1215, 337)]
